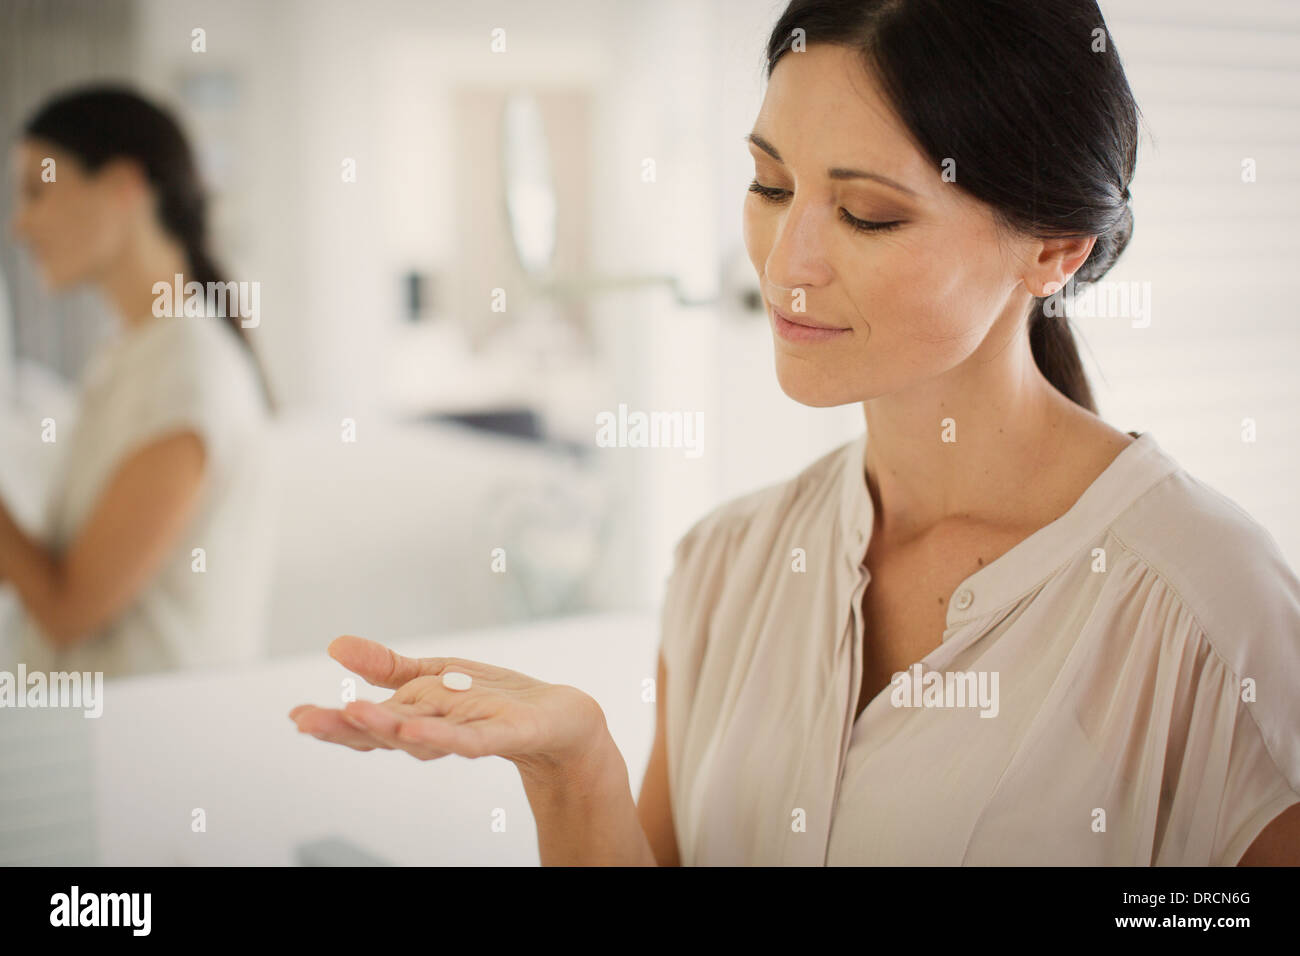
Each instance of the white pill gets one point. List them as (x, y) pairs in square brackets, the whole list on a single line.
[(454, 680)]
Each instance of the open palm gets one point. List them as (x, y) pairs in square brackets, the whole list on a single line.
[(504, 713)]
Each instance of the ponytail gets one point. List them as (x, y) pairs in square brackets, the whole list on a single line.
[(1057, 356), (1050, 339), (204, 270)]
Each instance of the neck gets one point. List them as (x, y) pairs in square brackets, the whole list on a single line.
[(1007, 426), (147, 257)]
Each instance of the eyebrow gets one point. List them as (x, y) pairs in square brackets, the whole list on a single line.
[(835, 172)]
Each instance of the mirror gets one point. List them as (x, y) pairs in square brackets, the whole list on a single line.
[(529, 190)]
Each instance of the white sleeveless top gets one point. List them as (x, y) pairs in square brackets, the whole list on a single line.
[(151, 380), (1146, 647)]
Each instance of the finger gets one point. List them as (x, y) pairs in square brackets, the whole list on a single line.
[(382, 722), (379, 665), (379, 720), (465, 738), (301, 709), (333, 729), (333, 726)]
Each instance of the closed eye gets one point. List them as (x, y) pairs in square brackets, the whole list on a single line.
[(774, 195), (770, 193)]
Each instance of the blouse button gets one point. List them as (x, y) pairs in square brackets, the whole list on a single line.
[(964, 599)]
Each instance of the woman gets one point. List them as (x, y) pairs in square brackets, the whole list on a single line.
[(926, 174), (154, 555)]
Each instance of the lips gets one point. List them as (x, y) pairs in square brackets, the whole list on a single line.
[(806, 322), (797, 332)]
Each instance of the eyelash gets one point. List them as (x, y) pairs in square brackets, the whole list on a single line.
[(772, 194)]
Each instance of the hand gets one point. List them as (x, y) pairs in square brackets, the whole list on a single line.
[(542, 728)]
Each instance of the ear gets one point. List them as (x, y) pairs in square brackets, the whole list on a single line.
[(1055, 262), (125, 182)]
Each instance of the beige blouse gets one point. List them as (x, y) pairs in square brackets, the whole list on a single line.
[(1118, 689)]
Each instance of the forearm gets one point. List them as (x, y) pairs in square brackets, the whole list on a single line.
[(586, 815), (34, 574)]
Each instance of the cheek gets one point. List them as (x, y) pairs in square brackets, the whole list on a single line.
[(78, 232), (924, 292), (51, 216)]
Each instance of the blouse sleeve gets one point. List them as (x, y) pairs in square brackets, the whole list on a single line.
[(1231, 761), (178, 386), (681, 640), (700, 562), (1255, 792), (697, 579)]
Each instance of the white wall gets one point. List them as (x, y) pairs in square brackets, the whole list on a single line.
[(1216, 84)]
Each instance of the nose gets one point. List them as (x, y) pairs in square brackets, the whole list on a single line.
[(798, 254)]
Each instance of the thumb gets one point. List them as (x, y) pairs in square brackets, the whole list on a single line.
[(376, 663)]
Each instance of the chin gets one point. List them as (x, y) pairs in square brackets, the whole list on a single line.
[(810, 385)]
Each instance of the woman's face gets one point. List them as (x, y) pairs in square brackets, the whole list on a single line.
[(903, 304), (75, 223)]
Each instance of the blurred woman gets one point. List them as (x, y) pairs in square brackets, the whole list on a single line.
[(155, 550)]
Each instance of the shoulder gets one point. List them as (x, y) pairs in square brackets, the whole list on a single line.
[(1215, 574), (719, 562), (1222, 563), (187, 373), (192, 361), (193, 343), (756, 518)]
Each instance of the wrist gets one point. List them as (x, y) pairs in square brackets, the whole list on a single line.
[(593, 777), (585, 812)]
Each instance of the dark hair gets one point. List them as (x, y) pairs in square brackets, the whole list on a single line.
[(1042, 128), (100, 123)]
